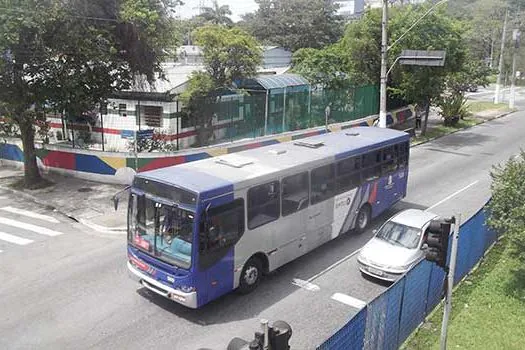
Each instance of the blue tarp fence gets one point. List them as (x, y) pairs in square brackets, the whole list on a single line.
[(387, 321)]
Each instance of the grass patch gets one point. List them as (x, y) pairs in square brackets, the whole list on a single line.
[(480, 106), (488, 309), (441, 130)]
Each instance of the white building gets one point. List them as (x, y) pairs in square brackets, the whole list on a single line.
[(158, 106)]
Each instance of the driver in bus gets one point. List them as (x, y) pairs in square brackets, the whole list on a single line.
[(215, 233)]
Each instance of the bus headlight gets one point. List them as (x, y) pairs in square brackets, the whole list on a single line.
[(187, 289)]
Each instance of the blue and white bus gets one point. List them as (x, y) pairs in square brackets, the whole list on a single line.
[(202, 229)]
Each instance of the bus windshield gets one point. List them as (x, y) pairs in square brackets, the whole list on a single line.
[(160, 230)]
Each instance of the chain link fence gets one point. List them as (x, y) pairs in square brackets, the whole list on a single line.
[(387, 321)]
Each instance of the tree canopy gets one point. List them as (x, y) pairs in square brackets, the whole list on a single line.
[(229, 55), (217, 14), (295, 24), (70, 56)]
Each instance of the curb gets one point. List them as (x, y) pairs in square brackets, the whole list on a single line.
[(34, 199), (468, 127)]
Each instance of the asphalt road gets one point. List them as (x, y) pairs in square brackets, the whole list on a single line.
[(72, 290)]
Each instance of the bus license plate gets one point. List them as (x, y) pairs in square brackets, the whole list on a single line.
[(375, 271)]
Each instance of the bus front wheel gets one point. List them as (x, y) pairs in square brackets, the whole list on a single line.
[(363, 219), (250, 276)]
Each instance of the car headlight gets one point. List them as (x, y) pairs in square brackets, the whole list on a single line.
[(399, 269)]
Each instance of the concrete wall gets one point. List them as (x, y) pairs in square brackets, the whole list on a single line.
[(115, 167)]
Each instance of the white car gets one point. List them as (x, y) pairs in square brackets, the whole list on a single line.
[(396, 246)]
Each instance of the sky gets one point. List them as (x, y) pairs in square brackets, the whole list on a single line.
[(238, 7)]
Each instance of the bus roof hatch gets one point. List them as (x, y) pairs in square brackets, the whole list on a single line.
[(309, 143), (234, 161)]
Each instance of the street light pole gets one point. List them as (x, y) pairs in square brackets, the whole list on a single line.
[(384, 48), (500, 67), (384, 51)]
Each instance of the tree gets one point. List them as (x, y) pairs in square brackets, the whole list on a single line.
[(71, 56), (217, 14), (507, 208), (326, 67), (229, 55), (295, 24), (438, 31)]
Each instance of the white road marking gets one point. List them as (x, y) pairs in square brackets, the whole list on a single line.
[(305, 285), (30, 214), (452, 195), (348, 300), (14, 239), (339, 262), (29, 227)]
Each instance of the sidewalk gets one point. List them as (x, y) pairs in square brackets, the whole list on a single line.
[(435, 120), (84, 201), (90, 202)]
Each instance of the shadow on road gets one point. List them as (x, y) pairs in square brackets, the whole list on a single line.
[(277, 285)]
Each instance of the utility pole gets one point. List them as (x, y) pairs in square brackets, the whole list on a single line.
[(450, 282), (516, 38), (384, 48), (500, 67), (516, 34)]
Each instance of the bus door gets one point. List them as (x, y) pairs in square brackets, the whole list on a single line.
[(290, 237), (221, 227), (321, 211)]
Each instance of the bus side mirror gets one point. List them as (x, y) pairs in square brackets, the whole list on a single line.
[(116, 196), (115, 202)]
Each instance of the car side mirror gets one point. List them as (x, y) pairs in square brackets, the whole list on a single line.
[(374, 231), (424, 247)]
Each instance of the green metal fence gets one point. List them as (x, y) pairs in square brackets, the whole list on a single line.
[(259, 114)]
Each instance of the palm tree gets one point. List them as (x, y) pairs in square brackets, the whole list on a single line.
[(217, 14)]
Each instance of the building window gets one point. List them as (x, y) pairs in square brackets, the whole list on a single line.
[(150, 116), (122, 109)]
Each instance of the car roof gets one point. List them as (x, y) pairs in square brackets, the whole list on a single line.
[(414, 218)]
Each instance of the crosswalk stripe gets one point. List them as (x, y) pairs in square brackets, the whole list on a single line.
[(30, 214), (14, 239), (29, 227)]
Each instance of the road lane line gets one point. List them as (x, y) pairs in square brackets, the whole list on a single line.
[(29, 227), (305, 285), (30, 214), (348, 300), (334, 265), (14, 239), (452, 195)]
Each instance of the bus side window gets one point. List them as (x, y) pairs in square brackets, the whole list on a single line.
[(224, 227), (295, 193), (371, 165), (264, 204), (348, 174), (323, 183), (404, 148), (389, 160)]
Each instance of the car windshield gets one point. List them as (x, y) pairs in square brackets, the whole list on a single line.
[(400, 235), (161, 230)]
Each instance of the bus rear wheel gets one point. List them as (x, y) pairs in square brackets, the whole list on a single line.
[(250, 276), (363, 219)]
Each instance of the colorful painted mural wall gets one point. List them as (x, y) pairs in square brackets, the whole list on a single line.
[(111, 167)]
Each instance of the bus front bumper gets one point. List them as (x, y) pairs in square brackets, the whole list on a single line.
[(186, 299)]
